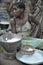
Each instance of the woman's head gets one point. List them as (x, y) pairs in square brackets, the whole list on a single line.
[(18, 8)]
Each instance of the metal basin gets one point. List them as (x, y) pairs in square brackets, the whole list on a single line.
[(10, 42)]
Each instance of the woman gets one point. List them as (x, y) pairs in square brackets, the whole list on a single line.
[(19, 22)]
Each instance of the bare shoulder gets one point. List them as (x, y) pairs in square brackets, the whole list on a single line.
[(26, 16)]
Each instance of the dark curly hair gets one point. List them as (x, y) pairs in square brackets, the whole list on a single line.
[(20, 5)]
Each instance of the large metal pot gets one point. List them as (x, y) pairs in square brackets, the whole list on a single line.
[(10, 42)]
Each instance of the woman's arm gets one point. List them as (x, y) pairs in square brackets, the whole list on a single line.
[(32, 19), (35, 31), (13, 26)]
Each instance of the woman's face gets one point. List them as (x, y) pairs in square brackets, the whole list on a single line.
[(17, 11)]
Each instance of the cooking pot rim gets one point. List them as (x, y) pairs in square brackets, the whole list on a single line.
[(4, 41)]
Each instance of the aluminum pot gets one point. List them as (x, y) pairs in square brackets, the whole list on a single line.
[(4, 25), (10, 42)]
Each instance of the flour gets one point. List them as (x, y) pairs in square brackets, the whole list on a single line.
[(30, 49), (13, 40)]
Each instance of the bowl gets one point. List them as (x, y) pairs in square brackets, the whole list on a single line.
[(27, 49), (4, 25)]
